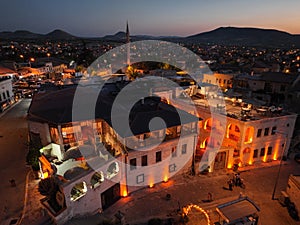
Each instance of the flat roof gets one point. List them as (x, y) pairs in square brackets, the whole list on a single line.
[(57, 107), (235, 210), (234, 110)]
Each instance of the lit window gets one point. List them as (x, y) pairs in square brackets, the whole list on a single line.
[(97, 179), (112, 170), (78, 191), (262, 151)]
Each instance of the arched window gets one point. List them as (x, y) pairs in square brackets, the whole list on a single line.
[(79, 190), (249, 135), (208, 124), (97, 179), (112, 170)]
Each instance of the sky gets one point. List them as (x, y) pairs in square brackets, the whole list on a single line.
[(97, 18)]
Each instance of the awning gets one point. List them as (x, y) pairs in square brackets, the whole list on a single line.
[(235, 210)]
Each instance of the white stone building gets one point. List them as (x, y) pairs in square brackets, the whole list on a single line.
[(97, 163)]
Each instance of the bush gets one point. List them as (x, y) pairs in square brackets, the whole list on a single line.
[(32, 157)]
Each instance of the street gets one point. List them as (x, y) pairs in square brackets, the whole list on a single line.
[(150, 203), (13, 142)]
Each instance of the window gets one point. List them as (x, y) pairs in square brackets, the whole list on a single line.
[(132, 163), (255, 153), (266, 133), (97, 179), (112, 170), (273, 130), (158, 156), (140, 179), (269, 152), (3, 94), (262, 151), (7, 93), (79, 190), (183, 149), (174, 151), (259, 133), (288, 125), (172, 168), (144, 160)]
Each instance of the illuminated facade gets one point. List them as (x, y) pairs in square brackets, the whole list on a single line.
[(252, 135), (6, 93), (97, 164)]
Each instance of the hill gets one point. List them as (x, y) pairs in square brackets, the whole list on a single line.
[(245, 36)]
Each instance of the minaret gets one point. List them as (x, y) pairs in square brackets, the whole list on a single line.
[(128, 44)]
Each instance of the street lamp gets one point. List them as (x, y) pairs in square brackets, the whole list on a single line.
[(280, 163)]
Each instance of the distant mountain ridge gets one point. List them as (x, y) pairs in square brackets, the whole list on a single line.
[(24, 34), (245, 36), (221, 35)]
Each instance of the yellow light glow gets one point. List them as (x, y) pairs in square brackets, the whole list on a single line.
[(265, 158), (250, 162), (32, 59), (240, 164), (229, 166), (166, 178), (22, 56), (187, 209), (125, 194), (45, 175), (151, 185)]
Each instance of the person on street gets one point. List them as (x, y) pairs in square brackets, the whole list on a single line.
[(209, 197), (230, 184)]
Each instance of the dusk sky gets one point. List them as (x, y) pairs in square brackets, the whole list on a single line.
[(156, 17)]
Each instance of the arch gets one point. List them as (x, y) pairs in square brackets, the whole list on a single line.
[(246, 156), (208, 124), (97, 179), (79, 190), (203, 145), (233, 132), (112, 170), (249, 135), (246, 150)]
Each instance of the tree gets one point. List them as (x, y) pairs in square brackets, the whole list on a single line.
[(33, 155), (48, 187)]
